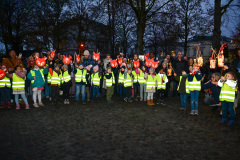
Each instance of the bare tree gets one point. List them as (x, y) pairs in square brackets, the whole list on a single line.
[(144, 10)]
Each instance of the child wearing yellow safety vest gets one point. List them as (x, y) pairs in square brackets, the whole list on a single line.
[(183, 89), (5, 90), (95, 84), (110, 81), (55, 80), (162, 80), (18, 85), (81, 81), (128, 82), (151, 86), (194, 80), (66, 82), (36, 76), (122, 90), (228, 86)]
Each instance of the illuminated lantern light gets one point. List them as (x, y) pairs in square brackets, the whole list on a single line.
[(169, 72), (220, 60), (200, 61), (212, 63)]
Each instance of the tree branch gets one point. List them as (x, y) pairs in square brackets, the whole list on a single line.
[(224, 8)]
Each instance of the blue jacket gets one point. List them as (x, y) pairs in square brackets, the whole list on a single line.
[(39, 81), (215, 90)]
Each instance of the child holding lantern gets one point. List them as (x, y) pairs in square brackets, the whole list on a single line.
[(227, 95), (194, 79)]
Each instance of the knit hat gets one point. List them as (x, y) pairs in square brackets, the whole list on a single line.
[(96, 68), (88, 67), (86, 52)]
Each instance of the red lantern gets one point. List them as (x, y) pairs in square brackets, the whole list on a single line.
[(136, 64), (120, 61), (148, 62), (213, 63), (41, 62), (78, 58), (2, 74), (66, 60), (113, 63), (146, 56), (154, 65), (96, 56), (52, 54)]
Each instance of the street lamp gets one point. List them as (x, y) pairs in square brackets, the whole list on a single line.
[(81, 48)]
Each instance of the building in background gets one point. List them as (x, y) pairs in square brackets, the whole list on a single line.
[(85, 35), (205, 43)]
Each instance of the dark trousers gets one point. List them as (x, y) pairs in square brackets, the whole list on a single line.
[(227, 107), (55, 93), (128, 92), (66, 87), (160, 93), (136, 87), (5, 93)]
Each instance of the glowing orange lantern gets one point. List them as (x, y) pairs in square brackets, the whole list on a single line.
[(212, 63), (169, 72), (221, 56)]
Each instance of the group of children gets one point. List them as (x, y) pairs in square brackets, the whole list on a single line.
[(146, 83)]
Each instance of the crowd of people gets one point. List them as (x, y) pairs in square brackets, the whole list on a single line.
[(91, 79)]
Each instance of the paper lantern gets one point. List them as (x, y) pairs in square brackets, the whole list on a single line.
[(154, 65), (96, 56), (52, 54), (120, 61), (220, 60), (78, 58), (41, 62), (146, 56), (129, 65), (66, 60), (169, 72), (2, 74), (113, 63), (136, 64), (148, 62), (200, 61), (212, 63)]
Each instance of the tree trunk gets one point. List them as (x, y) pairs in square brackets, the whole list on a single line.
[(217, 25), (140, 35)]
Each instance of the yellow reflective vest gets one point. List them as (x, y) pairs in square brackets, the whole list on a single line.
[(5, 82), (17, 82)]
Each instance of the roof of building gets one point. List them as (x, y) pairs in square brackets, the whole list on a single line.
[(207, 38)]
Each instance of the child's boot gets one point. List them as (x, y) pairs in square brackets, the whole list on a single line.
[(17, 106), (148, 102), (2, 105), (41, 104), (27, 106), (152, 102), (9, 104), (35, 105)]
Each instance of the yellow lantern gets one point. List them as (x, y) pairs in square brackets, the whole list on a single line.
[(213, 59), (169, 72), (199, 57), (200, 61), (212, 63), (221, 56)]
